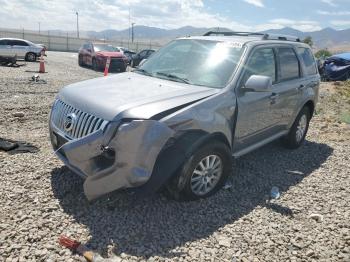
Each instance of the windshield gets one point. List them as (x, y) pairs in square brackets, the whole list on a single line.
[(196, 62), (107, 48)]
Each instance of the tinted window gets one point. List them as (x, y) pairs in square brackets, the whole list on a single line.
[(308, 60), (262, 62), (18, 43), (289, 64), (3, 42)]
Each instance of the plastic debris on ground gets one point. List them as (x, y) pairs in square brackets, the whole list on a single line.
[(275, 193), (16, 147)]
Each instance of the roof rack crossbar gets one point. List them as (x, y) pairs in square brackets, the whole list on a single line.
[(264, 36)]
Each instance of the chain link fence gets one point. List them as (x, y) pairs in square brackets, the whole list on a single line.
[(69, 43)]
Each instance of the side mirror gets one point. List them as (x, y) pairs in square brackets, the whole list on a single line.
[(258, 83)]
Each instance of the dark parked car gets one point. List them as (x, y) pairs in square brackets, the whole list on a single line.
[(128, 53), (95, 55), (144, 54), (336, 68)]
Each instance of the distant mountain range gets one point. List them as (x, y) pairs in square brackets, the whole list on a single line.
[(325, 38)]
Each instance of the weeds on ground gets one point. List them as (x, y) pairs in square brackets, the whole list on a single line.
[(343, 93)]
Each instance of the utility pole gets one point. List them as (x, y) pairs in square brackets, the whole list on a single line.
[(132, 32), (77, 23), (39, 27)]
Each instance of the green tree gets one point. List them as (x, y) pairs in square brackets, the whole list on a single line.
[(323, 53), (308, 40)]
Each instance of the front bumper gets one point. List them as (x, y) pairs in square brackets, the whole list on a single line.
[(115, 63), (110, 160)]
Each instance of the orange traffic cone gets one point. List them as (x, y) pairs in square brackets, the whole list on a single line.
[(42, 64), (107, 66)]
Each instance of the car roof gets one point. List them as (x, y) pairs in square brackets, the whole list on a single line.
[(10, 38)]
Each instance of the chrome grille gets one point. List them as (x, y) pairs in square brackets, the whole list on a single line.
[(84, 124)]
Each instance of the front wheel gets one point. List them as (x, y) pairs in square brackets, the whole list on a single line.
[(203, 174), (298, 131), (30, 57)]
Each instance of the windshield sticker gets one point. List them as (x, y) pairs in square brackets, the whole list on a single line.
[(230, 44)]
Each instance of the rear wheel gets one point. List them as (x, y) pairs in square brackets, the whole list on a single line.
[(94, 64), (204, 173), (298, 131), (30, 57)]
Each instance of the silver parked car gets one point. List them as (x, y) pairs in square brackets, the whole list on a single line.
[(176, 121), (23, 49)]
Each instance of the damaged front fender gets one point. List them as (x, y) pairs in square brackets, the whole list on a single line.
[(136, 145)]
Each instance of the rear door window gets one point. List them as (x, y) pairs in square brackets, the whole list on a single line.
[(3, 42), (289, 64), (262, 62), (308, 60)]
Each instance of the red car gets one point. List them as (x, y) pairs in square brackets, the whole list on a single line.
[(95, 55)]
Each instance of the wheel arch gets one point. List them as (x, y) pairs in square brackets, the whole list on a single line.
[(174, 154), (311, 106)]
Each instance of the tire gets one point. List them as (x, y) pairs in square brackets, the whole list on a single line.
[(298, 131), (30, 57), (94, 65), (189, 183), (80, 61)]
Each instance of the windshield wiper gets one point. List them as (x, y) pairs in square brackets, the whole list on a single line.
[(143, 71), (175, 77)]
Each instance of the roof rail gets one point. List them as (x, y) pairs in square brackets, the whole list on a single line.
[(264, 36), (232, 33)]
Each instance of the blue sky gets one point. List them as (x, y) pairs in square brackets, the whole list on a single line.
[(252, 15)]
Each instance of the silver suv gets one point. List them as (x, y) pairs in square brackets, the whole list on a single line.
[(176, 121), (24, 49)]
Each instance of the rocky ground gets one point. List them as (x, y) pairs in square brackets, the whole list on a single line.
[(40, 199)]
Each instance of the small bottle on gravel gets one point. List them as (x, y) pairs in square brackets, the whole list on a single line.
[(275, 192)]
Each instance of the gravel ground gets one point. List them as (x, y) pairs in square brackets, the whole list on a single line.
[(41, 199)]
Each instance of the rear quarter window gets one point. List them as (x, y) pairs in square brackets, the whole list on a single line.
[(289, 64), (308, 60)]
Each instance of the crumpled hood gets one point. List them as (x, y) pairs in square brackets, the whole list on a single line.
[(131, 95)]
